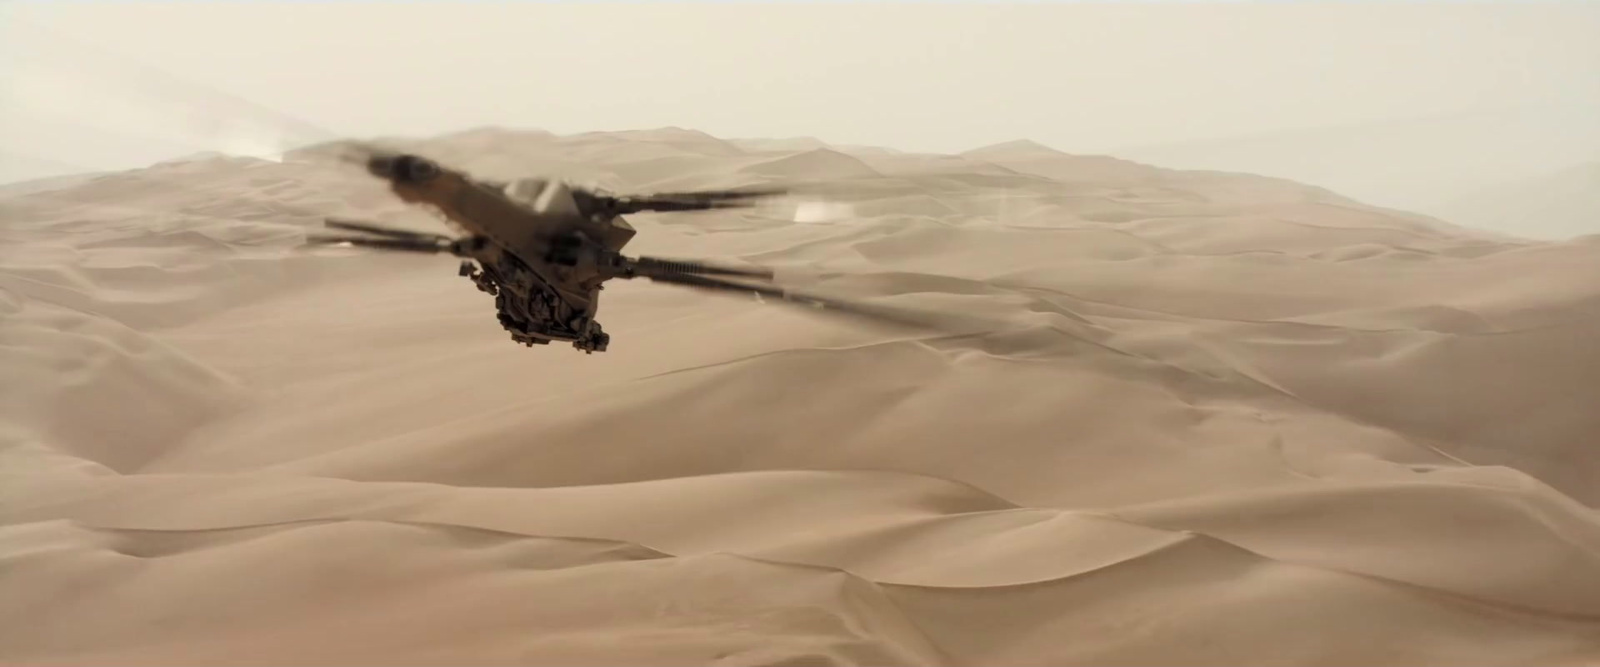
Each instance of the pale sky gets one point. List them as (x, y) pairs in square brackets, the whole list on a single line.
[(1390, 101)]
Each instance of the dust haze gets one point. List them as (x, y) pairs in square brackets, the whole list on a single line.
[(1405, 105)]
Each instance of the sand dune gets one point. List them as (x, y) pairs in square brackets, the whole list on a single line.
[(1212, 419)]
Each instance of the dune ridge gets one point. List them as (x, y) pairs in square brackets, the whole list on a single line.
[(1193, 418)]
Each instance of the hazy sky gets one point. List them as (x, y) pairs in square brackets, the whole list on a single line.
[(1253, 86)]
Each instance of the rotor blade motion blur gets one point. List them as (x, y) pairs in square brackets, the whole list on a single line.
[(383, 238), (691, 201), (379, 230), (880, 314), (653, 266), (401, 244)]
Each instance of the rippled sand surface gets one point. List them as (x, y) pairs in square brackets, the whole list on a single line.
[(1214, 419)]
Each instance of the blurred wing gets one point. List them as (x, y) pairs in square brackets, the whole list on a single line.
[(379, 230), (381, 238), (378, 243), (654, 266), (898, 317), (691, 201)]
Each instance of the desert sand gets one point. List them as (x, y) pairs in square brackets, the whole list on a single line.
[(1213, 419)]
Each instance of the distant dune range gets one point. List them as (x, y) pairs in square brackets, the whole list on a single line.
[(1560, 205), (1218, 419)]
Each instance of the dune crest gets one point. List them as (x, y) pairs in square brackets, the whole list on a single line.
[(1213, 419)]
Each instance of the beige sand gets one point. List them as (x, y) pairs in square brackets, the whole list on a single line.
[(1222, 420)]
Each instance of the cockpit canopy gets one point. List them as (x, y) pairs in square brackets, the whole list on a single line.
[(559, 200), (546, 196)]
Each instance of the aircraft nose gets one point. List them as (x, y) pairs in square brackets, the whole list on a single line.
[(402, 168)]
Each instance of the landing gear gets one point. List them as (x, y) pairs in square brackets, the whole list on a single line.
[(532, 318), (596, 341), (484, 282)]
